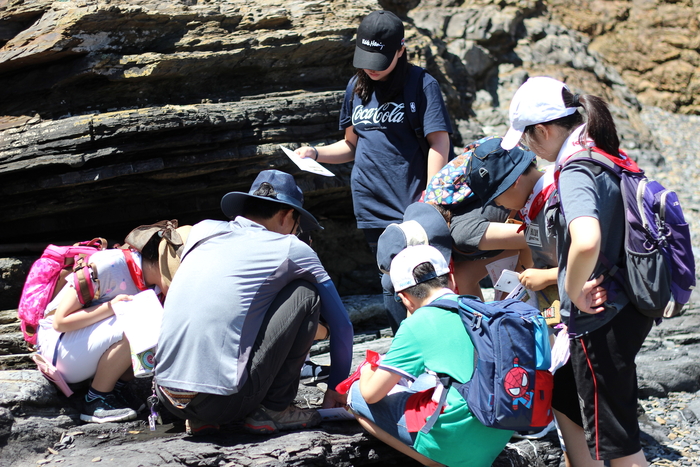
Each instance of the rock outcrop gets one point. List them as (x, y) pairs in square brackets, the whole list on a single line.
[(655, 45), (115, 114)]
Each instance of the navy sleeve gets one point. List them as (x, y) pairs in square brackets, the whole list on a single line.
[(435, 117), (335, 314)]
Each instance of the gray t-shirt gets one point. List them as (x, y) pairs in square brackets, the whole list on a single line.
[(218, 299), (591, 191)]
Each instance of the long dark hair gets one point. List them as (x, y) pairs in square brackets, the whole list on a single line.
[(386, 91), (600, 126)]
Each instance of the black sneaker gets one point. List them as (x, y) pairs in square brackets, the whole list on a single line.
[(267, 422), (127, 398), (106, 409), (312, 373)]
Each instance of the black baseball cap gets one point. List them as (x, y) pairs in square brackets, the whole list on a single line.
[(379, 37), (492, 169)]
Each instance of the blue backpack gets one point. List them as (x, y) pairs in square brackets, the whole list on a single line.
[(658, 273), (511, 387)]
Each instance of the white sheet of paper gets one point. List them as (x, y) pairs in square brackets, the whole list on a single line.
[(495, 268), (523, 294), (335, 414), (307, 164), (507, 282), (140, 318)]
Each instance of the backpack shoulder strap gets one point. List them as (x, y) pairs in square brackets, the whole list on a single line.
[(209, 237), (446, 304), (413, 97), (84, 280), (135, 271), (615, 164)]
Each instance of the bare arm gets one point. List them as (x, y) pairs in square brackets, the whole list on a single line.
[(583, 256), (538, 279), (375, 383), (439, 152), (502, 236), (70, 314), (336, 153)]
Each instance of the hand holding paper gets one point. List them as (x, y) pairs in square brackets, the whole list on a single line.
[(306, 164)]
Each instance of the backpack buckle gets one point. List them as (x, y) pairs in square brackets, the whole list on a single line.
[(476, 322)]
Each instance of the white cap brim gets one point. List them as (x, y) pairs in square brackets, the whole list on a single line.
[(511, 139)]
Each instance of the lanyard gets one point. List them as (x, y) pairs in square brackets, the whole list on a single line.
[(538, 201)]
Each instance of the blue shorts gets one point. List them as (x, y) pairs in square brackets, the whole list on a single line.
[(388, 414)]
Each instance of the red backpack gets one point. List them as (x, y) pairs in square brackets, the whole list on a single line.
[(40, 287)]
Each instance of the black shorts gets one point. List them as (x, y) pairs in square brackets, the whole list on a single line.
[(467, 227), (597, 388)]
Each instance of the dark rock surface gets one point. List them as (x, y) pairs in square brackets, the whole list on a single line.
[(40, 427), (115, 113)]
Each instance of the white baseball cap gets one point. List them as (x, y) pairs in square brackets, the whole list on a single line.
[(538, 100), (405, 262)]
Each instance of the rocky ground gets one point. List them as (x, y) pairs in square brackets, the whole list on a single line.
[(39, 427)]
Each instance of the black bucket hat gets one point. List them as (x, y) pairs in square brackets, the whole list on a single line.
[(492, 169)]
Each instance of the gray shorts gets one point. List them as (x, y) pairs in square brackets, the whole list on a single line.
[(468, 225)]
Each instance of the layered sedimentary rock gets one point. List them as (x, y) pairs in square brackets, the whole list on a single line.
[(114, 114)]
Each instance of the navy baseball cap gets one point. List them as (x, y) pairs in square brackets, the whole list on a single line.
[(422, 225), (379, 37), (492, 169), (286, 192)]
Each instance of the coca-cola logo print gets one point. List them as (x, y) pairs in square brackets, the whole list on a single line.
[(391, 112)]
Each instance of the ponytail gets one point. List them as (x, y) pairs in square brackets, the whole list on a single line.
[(600, 126)]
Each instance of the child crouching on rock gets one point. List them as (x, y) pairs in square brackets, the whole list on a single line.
[(432, 339), (87, 341)]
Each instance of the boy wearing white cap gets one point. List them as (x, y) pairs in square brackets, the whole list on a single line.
[(431, 339)]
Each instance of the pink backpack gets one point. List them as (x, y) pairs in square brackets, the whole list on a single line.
[(40, 286)]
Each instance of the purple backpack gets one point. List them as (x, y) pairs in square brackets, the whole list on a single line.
[(658, 273)]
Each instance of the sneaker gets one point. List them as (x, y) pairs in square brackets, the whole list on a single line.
[(194, 427), (106, 409), (265, 421), (312, 373), (127, 398)]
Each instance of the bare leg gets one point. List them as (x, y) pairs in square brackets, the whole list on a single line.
[(577, 453), (635, 460), (385, 437), (114, 363), (469, 273), (322, 332)]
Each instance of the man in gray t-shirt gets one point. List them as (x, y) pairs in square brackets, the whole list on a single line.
[(242, 312)]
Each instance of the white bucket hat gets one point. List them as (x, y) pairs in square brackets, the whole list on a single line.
[(405, 262), (538, 100)]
